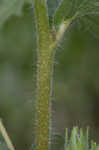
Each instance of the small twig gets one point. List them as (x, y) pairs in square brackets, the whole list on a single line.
[(5, 136)]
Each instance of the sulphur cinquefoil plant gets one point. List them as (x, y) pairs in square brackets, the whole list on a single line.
[(49, 32)]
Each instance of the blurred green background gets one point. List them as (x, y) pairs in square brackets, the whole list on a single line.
[(75, 99)]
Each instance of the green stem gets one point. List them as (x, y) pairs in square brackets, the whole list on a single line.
[(43, 102), (43, 34), (46, 46), (44, 70)]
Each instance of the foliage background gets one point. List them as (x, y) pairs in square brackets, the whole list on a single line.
[(75, 98)]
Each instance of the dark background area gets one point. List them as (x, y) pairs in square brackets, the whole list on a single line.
[(75, 98)]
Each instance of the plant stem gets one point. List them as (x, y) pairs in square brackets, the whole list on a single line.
[(44, 70), (6, 137), (45, 49), (43, 102)]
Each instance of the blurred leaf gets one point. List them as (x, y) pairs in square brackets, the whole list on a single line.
[(89, 7), (57, 141), (78, 141), (94, 146), (68, 9), (65, 11), (73, 139), (91, 24), (9, 8), (17, 44), (52, 5)]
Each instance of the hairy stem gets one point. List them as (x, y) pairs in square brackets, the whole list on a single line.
[(43, 102), (44, 70), (45, 49)]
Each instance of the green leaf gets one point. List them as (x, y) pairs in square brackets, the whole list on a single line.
[(57, 141), (65, 11), (89, 8), (91, 23), (93, 146), (69, 8), (52, 5), (73, 139), (78, 140), (9, 8)]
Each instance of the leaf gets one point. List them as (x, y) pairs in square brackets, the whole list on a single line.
[(73, 139), (93, 146), (64, 11), (91, 23), (69, 8), (89, 8), (9, 8), (52, 5), (57, 141), (78, 141)]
